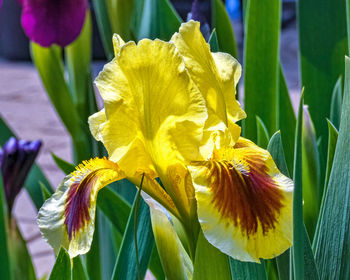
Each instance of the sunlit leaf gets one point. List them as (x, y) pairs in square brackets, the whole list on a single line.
[(261, 64), (210, 263), (337, 100), (221, 22), (332, 249), (4, 256), (175, 261), (321, 55), (262, 133), (62, 267)]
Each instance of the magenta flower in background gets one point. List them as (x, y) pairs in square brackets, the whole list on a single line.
[(48, 22)]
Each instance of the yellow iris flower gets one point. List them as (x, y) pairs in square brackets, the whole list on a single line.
[(169, 113)]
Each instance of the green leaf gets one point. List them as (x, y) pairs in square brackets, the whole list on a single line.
[(4, 256), (120, 15), (332, 141), (62, 267), (221, 22), (104, 26), (79, 271), (261, 65), (276, 150), (298, 224), (20, 259), (158, 20), (45, 192), (175, 261), (210, 263), (247, 270), (333, 245), (35, 175), (262, 134), (132, 262), (78, 61), (286, 120), (275, 147), (114, 207), (65, 166), (337, 100), (312, 192), (322, 53), (155, 265), (48, 62), (213, 41), (93, 257)]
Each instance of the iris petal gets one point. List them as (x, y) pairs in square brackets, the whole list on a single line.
[(216, 74), (53, 22), (244, 202), (154, 113), (67, 218)]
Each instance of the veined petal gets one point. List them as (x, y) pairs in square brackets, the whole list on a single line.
[(67, 218), (216, 74), (244, 202), (154, 113)]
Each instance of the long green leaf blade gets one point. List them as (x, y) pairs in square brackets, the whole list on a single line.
[(62, 267), (337, 100), (286, 120), (217, 268), (262, 133), (175, 261), (104, 26), (221, 22), (126, 266), (322, 53), (159, 20), (261, 64), (78, 271), (333, 246), (310, 271), (312, 192), (4, 256), (247, 270), (298, 224)]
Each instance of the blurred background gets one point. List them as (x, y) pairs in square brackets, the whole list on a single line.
[(25, 106)]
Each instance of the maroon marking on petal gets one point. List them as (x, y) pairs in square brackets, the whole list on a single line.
[(78, 204), (245, 197)]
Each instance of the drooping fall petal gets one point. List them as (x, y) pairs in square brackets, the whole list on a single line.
[(153, 115), (67, 218), (48, 22), (244, 202)]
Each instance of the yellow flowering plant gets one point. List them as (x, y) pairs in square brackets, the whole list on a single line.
[(169, 119)]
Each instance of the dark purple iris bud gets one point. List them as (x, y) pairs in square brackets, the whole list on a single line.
[(197, 15), (16, 160), (48, 22)]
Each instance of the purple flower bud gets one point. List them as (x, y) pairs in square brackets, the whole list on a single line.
[(197, 15), (16, 160), (48, 22)]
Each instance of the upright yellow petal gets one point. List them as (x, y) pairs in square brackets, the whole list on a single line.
[(216, 75), (244, 202), (154, 113)]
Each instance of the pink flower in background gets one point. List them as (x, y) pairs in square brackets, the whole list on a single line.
[(48, 22)]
